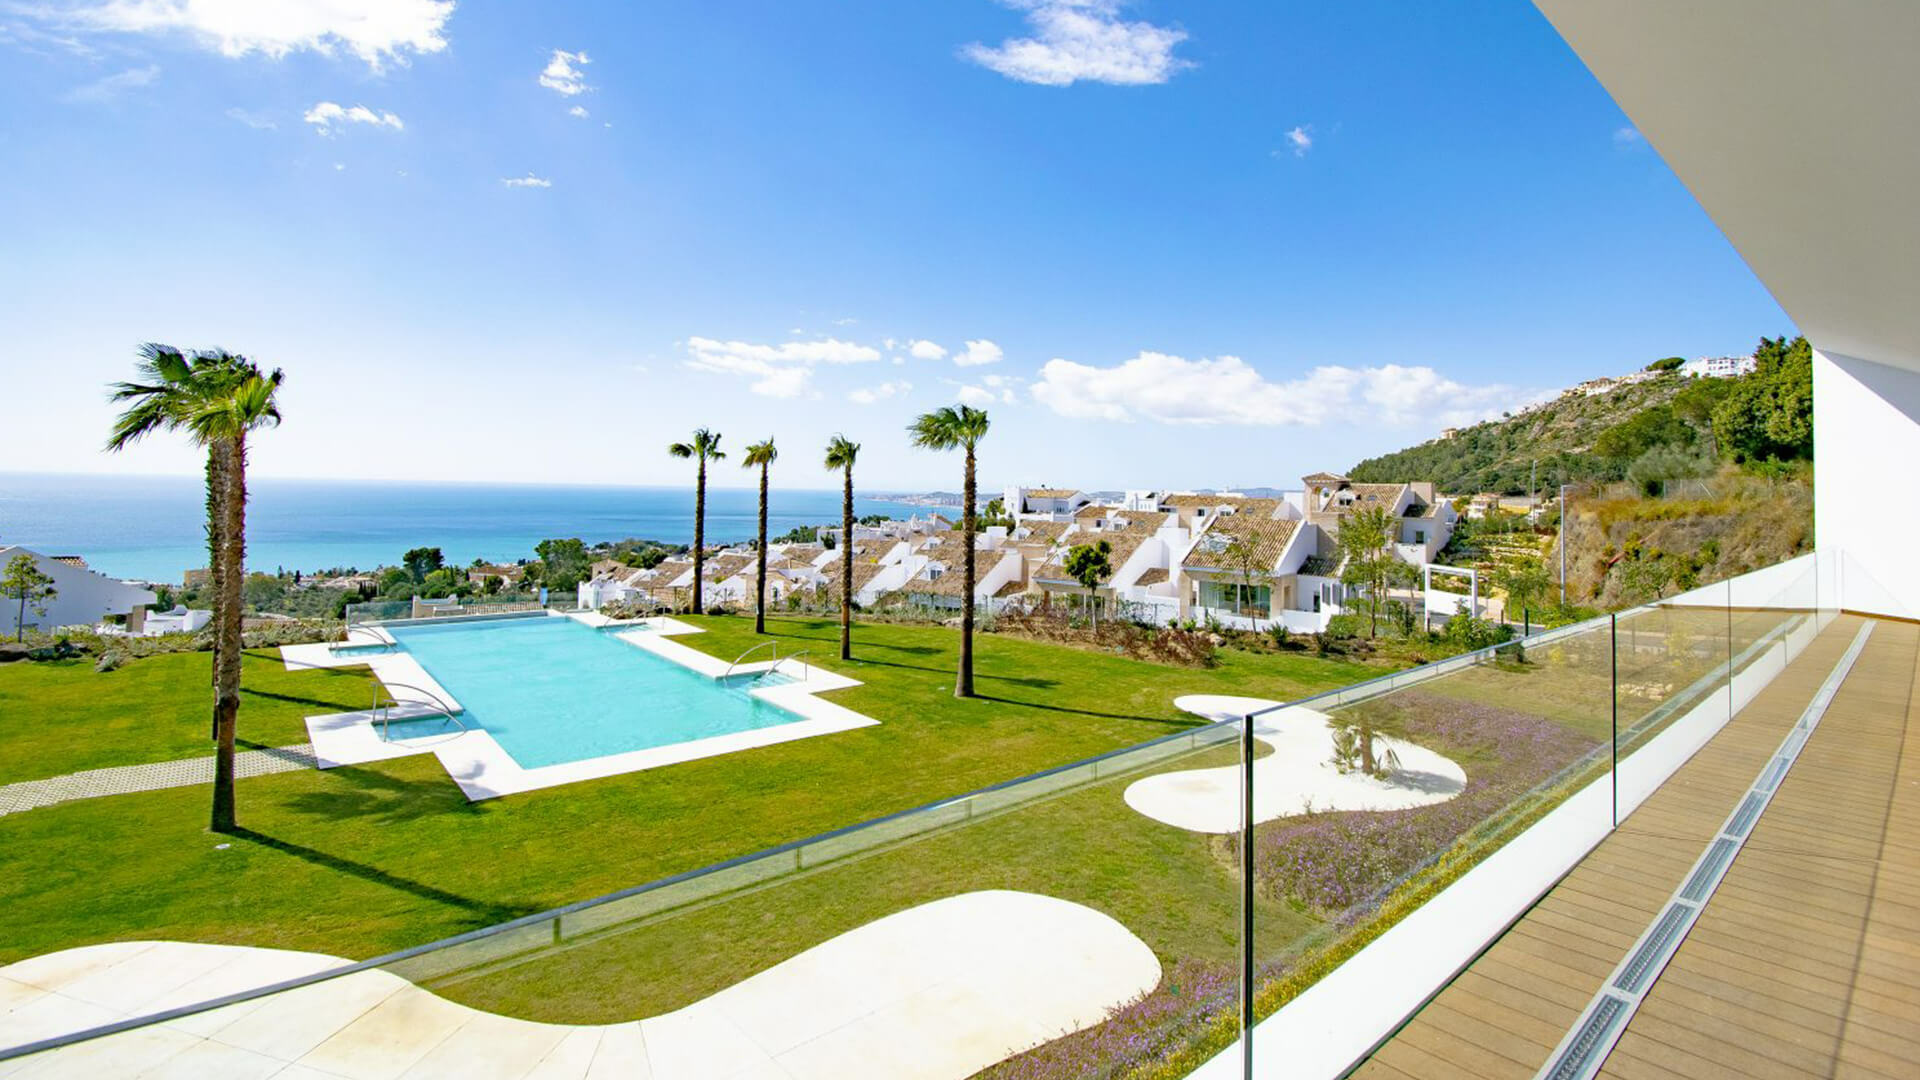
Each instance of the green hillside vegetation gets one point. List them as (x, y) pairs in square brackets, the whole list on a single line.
[(1650, 433), (1679, 481)]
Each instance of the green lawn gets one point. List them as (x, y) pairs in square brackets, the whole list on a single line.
[(62, 716), (360, 861)]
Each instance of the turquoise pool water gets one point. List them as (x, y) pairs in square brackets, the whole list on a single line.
[(550, 690)]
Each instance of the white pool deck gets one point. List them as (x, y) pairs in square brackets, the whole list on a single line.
[(482, 767), (936, 992), (1298, 777)]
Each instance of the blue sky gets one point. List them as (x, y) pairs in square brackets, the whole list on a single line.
[(1164, 244)]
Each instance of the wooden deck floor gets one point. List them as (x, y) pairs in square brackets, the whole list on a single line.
[(1806, 963)]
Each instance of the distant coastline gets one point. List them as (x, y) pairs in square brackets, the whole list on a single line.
[(152, 528)]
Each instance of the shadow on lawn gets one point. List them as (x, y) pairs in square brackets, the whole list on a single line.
[(485, 913), (372, 793), (1179, 722)]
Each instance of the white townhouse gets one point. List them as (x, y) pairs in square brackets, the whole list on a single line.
[(82, 597), (1254, 562), (1025, 504)]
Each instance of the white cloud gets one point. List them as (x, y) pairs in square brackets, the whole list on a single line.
[(1626, 136), (329, 117), (579, 111), (921, 349), (975, 395), (978, 353), (101, 91), (563, 75), (1087, 40), (528, 180), (867, 395), (1300, 140), (784, 370), (1227, 390), (339, 166), (254, 120), (376, 31)]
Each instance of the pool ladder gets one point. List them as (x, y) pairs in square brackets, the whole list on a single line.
[(384, 703), (346, 639), (805, 656)]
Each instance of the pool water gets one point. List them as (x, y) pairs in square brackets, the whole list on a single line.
[(551, 691)]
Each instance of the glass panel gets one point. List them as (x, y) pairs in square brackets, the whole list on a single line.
[(1377, 797)]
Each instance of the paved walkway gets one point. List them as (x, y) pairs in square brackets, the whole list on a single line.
[(936, 992), (128, 779)]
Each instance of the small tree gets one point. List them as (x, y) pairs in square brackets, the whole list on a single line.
[(1525, 582), (26, 582), (422, 561), (1366, 541), (1245, 560), (1091, 564)]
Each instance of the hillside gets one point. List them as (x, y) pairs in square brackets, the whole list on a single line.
[(1678, 481), (1498, 455)]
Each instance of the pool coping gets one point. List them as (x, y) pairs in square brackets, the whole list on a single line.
[(483, 769)]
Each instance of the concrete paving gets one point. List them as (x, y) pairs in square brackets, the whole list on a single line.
[(936, 992), (128, 779), (1297, 778)]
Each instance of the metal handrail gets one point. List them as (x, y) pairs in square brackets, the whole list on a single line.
[(774, 645), (346, 638), (384, 709), (806, 665)]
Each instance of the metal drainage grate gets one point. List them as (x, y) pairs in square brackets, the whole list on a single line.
[(1708, 873), (1595, 1036), (1645, 959), (1743, 818)]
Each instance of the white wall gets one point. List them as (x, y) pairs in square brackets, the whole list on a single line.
[(1866, 442), (83, 596)]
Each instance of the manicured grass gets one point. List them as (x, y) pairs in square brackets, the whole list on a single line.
[(361, 861), (62, 716)]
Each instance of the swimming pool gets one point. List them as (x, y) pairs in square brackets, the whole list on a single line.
[(552, 691)]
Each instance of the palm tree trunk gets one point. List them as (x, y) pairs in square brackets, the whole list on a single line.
[(963, 683), (846, 567), (700, 538), (216, 521), (760, 584), (226, 694)]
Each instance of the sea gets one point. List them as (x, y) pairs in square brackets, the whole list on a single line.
[(153, 528)]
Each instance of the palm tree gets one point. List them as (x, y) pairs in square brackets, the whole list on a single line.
[(763, 455), (704, 447), (217, 398), (948, 428), (840, 455)]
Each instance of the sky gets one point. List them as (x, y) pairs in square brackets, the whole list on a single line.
[(1164, 245)]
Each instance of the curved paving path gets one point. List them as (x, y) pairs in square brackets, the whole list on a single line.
[(1297, 777), (936, 992)]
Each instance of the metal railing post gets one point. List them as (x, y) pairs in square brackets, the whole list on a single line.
[(1613, 655), (1246, 897)]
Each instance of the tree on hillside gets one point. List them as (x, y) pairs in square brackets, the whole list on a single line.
[(1090, 564), (1670, 363), (841, 454), (24, 581), (1768, 415), (950, 428), (422, 561), (564, 563), (1526, 583), (760, 455), (1366, 543), (703, 447), (217, 398)]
